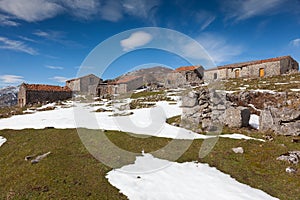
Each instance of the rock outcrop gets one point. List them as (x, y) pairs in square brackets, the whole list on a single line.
[(205, 109), (283, 121)]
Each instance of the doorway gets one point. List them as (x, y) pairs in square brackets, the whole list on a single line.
[(237, 73), (261, 72)]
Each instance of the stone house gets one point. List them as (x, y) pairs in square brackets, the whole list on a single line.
[(121, 86), (36, 93), (253, 69), (84, 85), (182, 76)]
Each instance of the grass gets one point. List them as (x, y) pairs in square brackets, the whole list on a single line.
[(70, 172), (145, 94), (280, 83)]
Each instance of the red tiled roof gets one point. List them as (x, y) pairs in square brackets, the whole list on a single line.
[(39, 87), (186, 68), (255, 62), (126, 79)]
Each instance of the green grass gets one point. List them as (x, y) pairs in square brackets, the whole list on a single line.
[(70, 172), (145, 94)]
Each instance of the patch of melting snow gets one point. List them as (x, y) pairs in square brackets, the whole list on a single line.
[(153, 178), (295, 90), (2, 140), (265, 91), (254, 121)]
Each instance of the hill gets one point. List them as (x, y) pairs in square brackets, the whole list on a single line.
[(8, 96), (151, 75)]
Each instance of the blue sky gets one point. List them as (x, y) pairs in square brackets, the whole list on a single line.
[(48, 41)]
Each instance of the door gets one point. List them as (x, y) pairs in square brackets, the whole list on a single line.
[(261, 72), (237, 73)]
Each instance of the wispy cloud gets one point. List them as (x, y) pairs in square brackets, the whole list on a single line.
[(135, 40), (32, 10), (295, 42), (11, 79), (219, 49), (39, 10), (59, 79), (7, 21), (15, 45), (83, 9), (54, 67), (244, 9)]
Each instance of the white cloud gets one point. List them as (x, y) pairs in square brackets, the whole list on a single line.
[(31, 10), (11, 79), (7, 21), (15, 45), (59, 79), (54, 67), (219, 49), (295, 42), (112, 11), (135, 40), (245, 9)]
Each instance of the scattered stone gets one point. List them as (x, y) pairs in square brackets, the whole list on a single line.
[(27, 158), (39, 158), (238, 150), (292, 157), (290, 170)]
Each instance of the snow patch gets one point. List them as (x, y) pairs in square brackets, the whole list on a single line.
[(188, 180), (2, 140), (254, 121)]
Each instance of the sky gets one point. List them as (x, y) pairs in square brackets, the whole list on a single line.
[(50, 41)]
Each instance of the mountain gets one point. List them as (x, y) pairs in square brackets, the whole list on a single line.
[(154, 74), (9, 96)]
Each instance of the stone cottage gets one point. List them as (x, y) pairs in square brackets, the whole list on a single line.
[(36, 93), (182, 76), (253, 69), (123, 85), (84, 85)]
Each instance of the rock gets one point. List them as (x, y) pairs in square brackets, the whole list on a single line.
[(237, 117), (238, 150), (283, 121), (187, 101), (292, 157), (290, 170)]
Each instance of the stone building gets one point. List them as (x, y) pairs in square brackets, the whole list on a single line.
[(121, 86), (183, 76), (253, 69), (36, 93), (84, 85)]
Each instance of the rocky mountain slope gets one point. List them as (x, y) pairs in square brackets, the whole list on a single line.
[(8, 96), (151, 75)]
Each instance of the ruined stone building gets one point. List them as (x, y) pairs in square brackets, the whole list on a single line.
[(36, 93), (121, 86), (84, 85), (253, 69), (183, 76)]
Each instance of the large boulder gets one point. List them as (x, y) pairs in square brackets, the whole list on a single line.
[(283, 121), (190, 100), (237, 117)]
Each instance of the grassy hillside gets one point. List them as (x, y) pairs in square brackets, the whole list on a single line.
[(70, 172)]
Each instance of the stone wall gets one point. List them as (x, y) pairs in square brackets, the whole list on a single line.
[(22, 96), (134, 84), (283, 121), (288, 65), (88, 84), (74, 85), (33, 97), (206, 110), (184, 78)]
